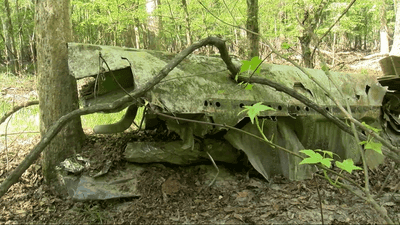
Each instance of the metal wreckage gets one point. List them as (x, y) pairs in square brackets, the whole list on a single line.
[(199, 88)]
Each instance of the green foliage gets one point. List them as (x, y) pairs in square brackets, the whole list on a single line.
[(376, 130), (127, 23), (105, 22), (325, 68), (22, 19), (249, 87), (286, 45), (347, 165), (369, 143), (314, 158), (251, 65), (109, 22), (254, 110), (364, 72)]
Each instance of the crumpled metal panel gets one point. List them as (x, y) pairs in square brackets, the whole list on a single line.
[(201, 84), (88, 188), (267, 160), (323, 134)]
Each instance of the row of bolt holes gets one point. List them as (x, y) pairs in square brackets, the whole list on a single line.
[(206, 103)]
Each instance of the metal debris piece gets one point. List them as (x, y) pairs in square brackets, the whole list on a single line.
[(74, 164), (120, 184), (104, 170), (200, 87)]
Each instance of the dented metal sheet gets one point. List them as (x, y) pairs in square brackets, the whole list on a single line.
[(200, 88), (201, 84)]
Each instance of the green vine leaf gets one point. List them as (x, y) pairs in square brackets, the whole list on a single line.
[(251, 65), (347, 165), (325, 152), (376, 146), (376, 130), (254, 110), (325, 68), (249, 87), (314, 158), (285, 45)]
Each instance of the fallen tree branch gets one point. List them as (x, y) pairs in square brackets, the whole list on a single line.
[(16, 108), (120, 103), (23, 132)]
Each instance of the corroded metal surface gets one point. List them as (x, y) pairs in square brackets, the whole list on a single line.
[(201, 85), (200, 88)]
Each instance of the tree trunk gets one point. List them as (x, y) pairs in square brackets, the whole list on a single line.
[(161, 33), (396, 38), (252, 25), (9, 38), (153, 25), (309, 24), (20, 36), (384, 42), (305, 41), (57, 89), (187, 19)]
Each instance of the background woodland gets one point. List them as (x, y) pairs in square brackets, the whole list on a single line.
[(292, 26)]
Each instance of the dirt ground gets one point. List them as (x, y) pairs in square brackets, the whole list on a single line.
[(245, 199), (177, 194)]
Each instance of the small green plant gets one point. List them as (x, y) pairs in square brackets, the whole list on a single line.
[(364, 71), (253, 112), (286, 45), (369, 143), (221, 92), (251, 65)]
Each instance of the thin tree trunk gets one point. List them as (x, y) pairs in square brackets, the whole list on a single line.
[(305, 41), (384, 42), (161, 34), (20, 36), (396, 38), (252, 25), (187, 19), (9, 36), (152, 28), (333, 49), (57, 89)]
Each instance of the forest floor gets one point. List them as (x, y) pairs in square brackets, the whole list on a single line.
[(245, 199)]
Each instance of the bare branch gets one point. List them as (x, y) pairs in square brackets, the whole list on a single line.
[(330, 28), (16, 108)]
